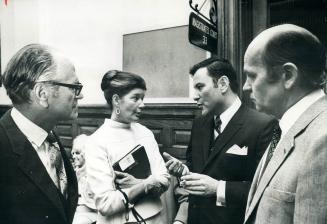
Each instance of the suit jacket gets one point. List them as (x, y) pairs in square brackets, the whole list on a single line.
[(293, 188), (247, 128), (27, 193)]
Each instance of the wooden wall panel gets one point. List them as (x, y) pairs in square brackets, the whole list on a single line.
[(170, 123)]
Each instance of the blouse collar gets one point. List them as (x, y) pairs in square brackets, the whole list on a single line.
[(116, 124)]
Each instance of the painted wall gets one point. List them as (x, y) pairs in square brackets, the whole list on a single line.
[(88, 32)]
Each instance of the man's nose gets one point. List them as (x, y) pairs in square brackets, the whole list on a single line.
[(196, 96), (142, 104), (80, 96), (247, 86)]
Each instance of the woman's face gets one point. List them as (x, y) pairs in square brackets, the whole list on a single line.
[(78, 157), (130, 106)]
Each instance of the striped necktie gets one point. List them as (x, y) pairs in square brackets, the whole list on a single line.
[(56, 161), (217, 125), (277, 132)]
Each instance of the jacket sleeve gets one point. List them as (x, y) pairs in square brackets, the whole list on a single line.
[(101, 178), (311, 191)]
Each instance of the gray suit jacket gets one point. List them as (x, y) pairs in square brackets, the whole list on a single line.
[(293, 188)]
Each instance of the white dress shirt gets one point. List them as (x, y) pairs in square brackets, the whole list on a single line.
[(293, 114), (36, 136)]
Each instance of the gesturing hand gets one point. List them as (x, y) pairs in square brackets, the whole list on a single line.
[(174, 166), (125, 180), (199, 184)]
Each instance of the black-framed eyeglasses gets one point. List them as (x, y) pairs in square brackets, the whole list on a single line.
[(77, 87)]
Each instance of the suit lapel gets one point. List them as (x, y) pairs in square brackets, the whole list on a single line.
[(282, 151), (231, 129), (207, 135), (30, 163)]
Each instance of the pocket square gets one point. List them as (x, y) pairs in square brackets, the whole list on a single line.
[(236, 150)]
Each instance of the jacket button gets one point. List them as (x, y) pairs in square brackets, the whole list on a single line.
[(46, 217)]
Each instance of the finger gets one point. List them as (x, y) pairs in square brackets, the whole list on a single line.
[(194, 192), (189, 183), (118, 181), (195, 188), (167, 156), (177, 168), (185, 171), (180, 170), (120, 174), (168, 163), (189, 177)]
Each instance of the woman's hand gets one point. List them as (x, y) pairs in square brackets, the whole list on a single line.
[(153, 186), (125, 180)]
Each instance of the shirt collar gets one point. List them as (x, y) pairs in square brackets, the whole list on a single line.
[(34, 133), (227, 115), (294, 112)]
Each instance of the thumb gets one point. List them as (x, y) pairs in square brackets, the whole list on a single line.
[(167, 156)]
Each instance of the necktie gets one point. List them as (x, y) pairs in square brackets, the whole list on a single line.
[(274, 141), (217, 125), (57, 162)]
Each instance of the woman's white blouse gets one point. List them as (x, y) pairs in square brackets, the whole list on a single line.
[(107, 145)]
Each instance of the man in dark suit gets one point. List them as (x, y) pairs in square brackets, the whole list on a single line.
[(37, 181), (226, 144)]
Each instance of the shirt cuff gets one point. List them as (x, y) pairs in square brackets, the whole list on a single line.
[(221, 189)]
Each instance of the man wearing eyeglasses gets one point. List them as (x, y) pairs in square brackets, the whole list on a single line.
[(37, 182)]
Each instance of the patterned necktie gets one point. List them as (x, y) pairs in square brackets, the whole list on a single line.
[(274, 141), (217, 125), (57, 162)]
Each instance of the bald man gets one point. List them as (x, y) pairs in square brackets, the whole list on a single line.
[(285, 67)]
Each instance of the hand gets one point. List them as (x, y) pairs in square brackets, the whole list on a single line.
[(178, 222), (199, 184), (125, 180), (174, 166), (153, 186)]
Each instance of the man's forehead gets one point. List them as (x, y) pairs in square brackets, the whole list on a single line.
[(65, 70)]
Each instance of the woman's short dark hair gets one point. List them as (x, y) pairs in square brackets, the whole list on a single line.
[(300, 47), (218, 67), (120, 83)]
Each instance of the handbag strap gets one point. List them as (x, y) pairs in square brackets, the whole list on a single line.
[(128, 206)]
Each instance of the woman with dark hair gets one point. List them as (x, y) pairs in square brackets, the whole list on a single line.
[(119, 196)]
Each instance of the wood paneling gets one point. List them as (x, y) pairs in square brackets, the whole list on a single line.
[(170, 123)]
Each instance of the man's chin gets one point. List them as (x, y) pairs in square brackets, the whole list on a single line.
[(204, 110)]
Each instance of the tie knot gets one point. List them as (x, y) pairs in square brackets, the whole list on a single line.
[(218, 124), (51, 138)]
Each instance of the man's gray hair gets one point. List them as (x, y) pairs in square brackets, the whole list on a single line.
[(25, 68)]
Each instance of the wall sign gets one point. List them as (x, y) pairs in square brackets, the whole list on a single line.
[(202, 34)]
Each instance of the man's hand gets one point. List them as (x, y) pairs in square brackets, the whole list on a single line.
[(125, 180), (199, 184), (174, 166)]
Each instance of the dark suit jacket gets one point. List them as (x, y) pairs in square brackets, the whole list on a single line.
[(247, 128), (27, 193)]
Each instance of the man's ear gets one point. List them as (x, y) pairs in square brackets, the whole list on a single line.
[(290, 74), (41, 95), (223, 83)]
